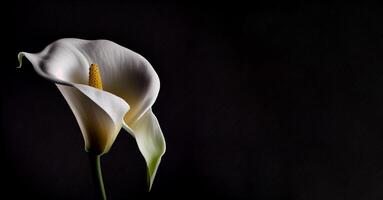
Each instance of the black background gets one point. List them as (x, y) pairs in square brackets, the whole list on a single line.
[(263, 101)]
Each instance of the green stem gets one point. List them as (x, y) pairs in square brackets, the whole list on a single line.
[(97, 175)]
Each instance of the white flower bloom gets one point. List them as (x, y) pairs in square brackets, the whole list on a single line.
[(130, 87)]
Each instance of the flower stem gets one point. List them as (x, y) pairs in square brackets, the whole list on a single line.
[(97, 176)]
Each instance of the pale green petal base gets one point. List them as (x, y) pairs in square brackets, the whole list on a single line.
[(150, 141)]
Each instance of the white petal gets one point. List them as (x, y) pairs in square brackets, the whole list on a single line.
[(98, 113), (60, 62), (123, 72), (150, 141), (64, 65), (110, 103)]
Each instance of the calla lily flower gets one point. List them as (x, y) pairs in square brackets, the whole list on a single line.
[(129, 89)]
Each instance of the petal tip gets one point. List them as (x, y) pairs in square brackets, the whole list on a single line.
[(152, 171), (20, 57)]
